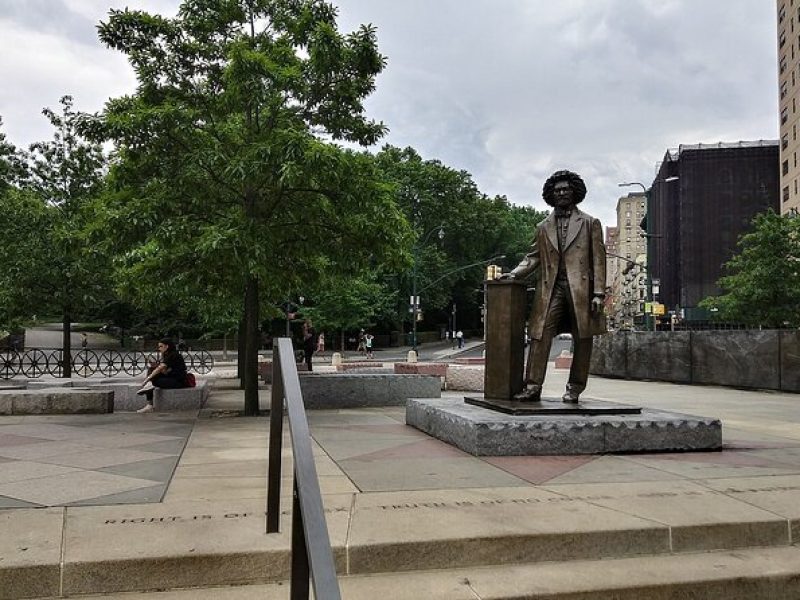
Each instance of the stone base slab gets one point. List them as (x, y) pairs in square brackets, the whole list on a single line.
[(55, 401), (349, 390), (437, 369), (563, 361), (554, 406), (483, 432), (465, 378)]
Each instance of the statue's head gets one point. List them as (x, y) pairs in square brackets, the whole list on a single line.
[(575, 184)]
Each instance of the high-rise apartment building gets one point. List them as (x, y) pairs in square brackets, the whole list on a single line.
[(788, 99), (628, 280), (612, 268)]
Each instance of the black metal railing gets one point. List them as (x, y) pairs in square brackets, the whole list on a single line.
[(35, 362), (311, 547)]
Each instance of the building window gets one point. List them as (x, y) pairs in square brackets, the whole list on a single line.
[(784, 115), (794, 133), (784, 141), (781, 14), (785, 167), (783, 64), (785, 88), (785, 196), (782, 40)]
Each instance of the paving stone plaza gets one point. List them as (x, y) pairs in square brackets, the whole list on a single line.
[(114, 503)]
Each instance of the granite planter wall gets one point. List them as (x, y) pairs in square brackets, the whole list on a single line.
[(766, 359), (790, 361), (659, 355), (736, 358)]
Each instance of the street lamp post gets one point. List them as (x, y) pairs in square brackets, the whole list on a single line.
[(414, 293)]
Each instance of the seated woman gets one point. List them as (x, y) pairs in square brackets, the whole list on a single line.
[(170, 373)]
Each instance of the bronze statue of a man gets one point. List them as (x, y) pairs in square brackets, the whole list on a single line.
[(569, 259)]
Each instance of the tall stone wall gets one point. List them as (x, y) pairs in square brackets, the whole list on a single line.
[(767, 359)]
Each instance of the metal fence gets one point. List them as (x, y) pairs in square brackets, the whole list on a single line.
[(35, 362)]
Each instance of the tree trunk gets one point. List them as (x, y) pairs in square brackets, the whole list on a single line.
[(240, 354), (66, 345), (250, 370), (341, 343)]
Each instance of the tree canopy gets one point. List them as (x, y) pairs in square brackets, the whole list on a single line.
[(51, 267), (762, 287), (227, 182), (476, 228)]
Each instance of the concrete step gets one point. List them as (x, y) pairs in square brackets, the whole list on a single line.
[(772, 573), (106, 549)]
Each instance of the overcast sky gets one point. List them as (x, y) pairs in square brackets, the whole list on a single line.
[(509, 90)]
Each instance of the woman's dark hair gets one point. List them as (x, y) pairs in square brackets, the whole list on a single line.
[(169, 344), (574, 180)]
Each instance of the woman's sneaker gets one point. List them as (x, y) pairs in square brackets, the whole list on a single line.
[(146, 388), (146, 409)]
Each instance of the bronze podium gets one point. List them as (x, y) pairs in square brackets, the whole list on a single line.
[(505, 338)]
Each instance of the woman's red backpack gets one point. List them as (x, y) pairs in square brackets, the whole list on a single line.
[(190, 380)]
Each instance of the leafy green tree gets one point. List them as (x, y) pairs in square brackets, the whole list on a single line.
[(476, 228), (348, 303), (9, 162), (228, 185), (762, 287), (51, 267)]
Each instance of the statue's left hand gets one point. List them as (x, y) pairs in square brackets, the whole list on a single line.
[(597, 305)]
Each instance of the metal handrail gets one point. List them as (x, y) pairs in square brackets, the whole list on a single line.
[(311, 546)]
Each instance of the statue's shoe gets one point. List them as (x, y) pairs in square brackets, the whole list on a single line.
[(531, 394)]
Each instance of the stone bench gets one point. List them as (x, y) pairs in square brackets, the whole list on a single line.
[(125, 388), (466, 378), (126, 399), (265, 370), (358, 366), (564, 360), (470, 360), (350, 390), (437, 369), (56, 401)]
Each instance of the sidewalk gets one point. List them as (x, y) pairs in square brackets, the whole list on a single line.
[(395, 499)]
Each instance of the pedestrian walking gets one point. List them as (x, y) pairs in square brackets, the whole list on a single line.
[(460, 338), (368, 339), (309, 343)]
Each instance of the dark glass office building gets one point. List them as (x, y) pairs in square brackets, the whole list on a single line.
[(702, 199)]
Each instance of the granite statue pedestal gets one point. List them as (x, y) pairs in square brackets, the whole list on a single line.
[(505, 338), (586, 428)]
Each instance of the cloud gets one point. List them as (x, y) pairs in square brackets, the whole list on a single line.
[(509, 91), (512, 91)]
